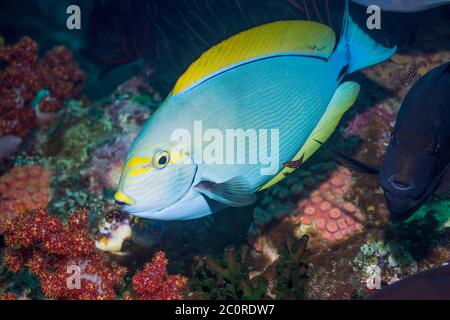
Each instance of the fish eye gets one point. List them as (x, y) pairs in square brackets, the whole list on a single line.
[(161, 159)]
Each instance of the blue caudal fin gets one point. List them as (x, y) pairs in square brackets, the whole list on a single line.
[(360, 50)]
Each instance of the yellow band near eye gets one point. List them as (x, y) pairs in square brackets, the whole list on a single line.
[(137, 165)]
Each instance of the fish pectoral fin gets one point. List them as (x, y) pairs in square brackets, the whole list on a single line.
[(443, 191), (351, 163), (235, 192)]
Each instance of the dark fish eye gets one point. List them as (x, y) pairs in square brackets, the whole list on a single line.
[(161, 159)]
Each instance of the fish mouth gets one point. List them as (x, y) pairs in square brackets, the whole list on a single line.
[(401, 208), (122, 199), (147, 214)]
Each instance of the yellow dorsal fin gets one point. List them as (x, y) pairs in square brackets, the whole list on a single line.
[(344, 97), (293, 36)]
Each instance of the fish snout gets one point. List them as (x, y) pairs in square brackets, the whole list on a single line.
[(122, 199), (400, 184)]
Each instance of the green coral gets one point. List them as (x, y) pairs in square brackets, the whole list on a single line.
[(424, 230), (227, 278), (440, 209), (291, 271), (82, 129)]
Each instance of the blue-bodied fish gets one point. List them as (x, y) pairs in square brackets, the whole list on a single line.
[(404, 5), (283, 76)]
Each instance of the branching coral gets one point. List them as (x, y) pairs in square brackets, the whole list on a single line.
[(24, 75), (68, 266), (228, 279), (291, 270), (8, 296), (19, 84), (53, 251), (154, 283)]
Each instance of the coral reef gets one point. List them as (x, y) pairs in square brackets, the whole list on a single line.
[(321, 233), (105, 165), (383, 263), (280, 201), (25, 77), (313, 201), (114, 229), (154, 283), (8, 296), (380, 116), (50, 250), (121, 234), (326, 213), (68, 266), (24, 188), (291, 270), (68, 197), (227, 278)]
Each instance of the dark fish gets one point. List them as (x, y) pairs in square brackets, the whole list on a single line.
[(417, 160), (433, 284)]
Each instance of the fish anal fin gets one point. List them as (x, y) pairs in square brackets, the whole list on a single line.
[(235, 192), (276, 38), (344, 97), (351, 163)]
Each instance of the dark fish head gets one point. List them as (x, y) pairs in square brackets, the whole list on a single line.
[(411, 167), (418, 152)]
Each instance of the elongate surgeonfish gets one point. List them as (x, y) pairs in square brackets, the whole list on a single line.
[(282, 78), (404, 5), (417, 160)]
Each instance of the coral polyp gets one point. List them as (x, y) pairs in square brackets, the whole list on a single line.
[(326, 212), (24, 188)]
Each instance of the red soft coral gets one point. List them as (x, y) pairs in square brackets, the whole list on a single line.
[(54, 251), (154, 283), (24, 74)]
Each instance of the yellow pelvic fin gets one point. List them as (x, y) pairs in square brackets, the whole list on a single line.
[(292, 36), (344, 97)]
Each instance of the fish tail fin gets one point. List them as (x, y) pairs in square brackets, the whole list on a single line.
[(360, 50)]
